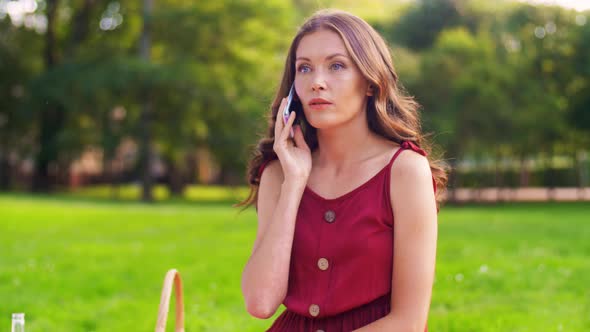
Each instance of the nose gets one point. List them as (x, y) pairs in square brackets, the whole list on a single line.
[(318, 83), (318, 86)]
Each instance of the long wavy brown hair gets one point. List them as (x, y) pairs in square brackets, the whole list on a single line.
[(391, 113)]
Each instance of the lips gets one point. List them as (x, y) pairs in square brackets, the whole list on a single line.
[(319, 102)]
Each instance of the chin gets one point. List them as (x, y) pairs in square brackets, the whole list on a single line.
[(328, 120), (322, 122)]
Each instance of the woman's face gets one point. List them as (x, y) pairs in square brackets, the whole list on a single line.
[(329, 85)]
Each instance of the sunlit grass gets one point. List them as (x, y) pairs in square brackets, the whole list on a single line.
[(132, 192), (91, 264)]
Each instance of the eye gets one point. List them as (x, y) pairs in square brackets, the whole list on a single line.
[(303, 68), (336, 66)]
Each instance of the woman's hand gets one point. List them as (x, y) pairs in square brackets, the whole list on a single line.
[(294, 154)]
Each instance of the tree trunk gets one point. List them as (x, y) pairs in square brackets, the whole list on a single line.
[(192, 163), (551, 177), (146, 157), (582, 158), (51, 117), (81, 26), (176, 182), (5, 170), (498, 176)]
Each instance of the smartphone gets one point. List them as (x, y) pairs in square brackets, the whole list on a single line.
[(287, 111)]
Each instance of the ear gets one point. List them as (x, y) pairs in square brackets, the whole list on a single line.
[(370, 90)]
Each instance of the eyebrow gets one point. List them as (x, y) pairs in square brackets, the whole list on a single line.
[(327, 58)]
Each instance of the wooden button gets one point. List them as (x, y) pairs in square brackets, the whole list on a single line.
[(323, 264), (330, 216), (314, 310)]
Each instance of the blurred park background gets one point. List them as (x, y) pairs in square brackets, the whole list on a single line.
[(106, 104)]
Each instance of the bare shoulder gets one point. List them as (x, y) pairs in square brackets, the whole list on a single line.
[(410, 164), (411, 185)]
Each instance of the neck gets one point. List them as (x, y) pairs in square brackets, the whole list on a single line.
[(345, 145)]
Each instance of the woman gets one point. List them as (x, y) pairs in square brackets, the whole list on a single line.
[(326, 246)]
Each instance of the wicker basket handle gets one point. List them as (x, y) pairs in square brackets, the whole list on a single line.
[(172, 279)]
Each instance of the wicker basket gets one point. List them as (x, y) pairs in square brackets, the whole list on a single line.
[(172, 280)]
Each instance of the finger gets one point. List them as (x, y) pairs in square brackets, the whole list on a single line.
[(279, 119), (300, 139), (288, 126)]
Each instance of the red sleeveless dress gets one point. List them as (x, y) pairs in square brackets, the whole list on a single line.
[(342, 256)]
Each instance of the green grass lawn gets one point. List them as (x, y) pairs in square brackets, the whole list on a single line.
[(87, 264)]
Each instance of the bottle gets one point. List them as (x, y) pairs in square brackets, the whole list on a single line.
[(18, 322)]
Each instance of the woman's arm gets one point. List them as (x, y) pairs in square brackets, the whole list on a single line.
[(414, 245), (265, 277)]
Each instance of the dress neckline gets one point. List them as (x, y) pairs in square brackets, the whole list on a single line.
[(359, 187)]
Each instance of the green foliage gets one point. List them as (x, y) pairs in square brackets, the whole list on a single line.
[(488, 84), (209, 77), (496, 88), (420, 26)]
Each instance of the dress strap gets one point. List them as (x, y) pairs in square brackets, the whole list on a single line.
[(411, 145), (406, 145)]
